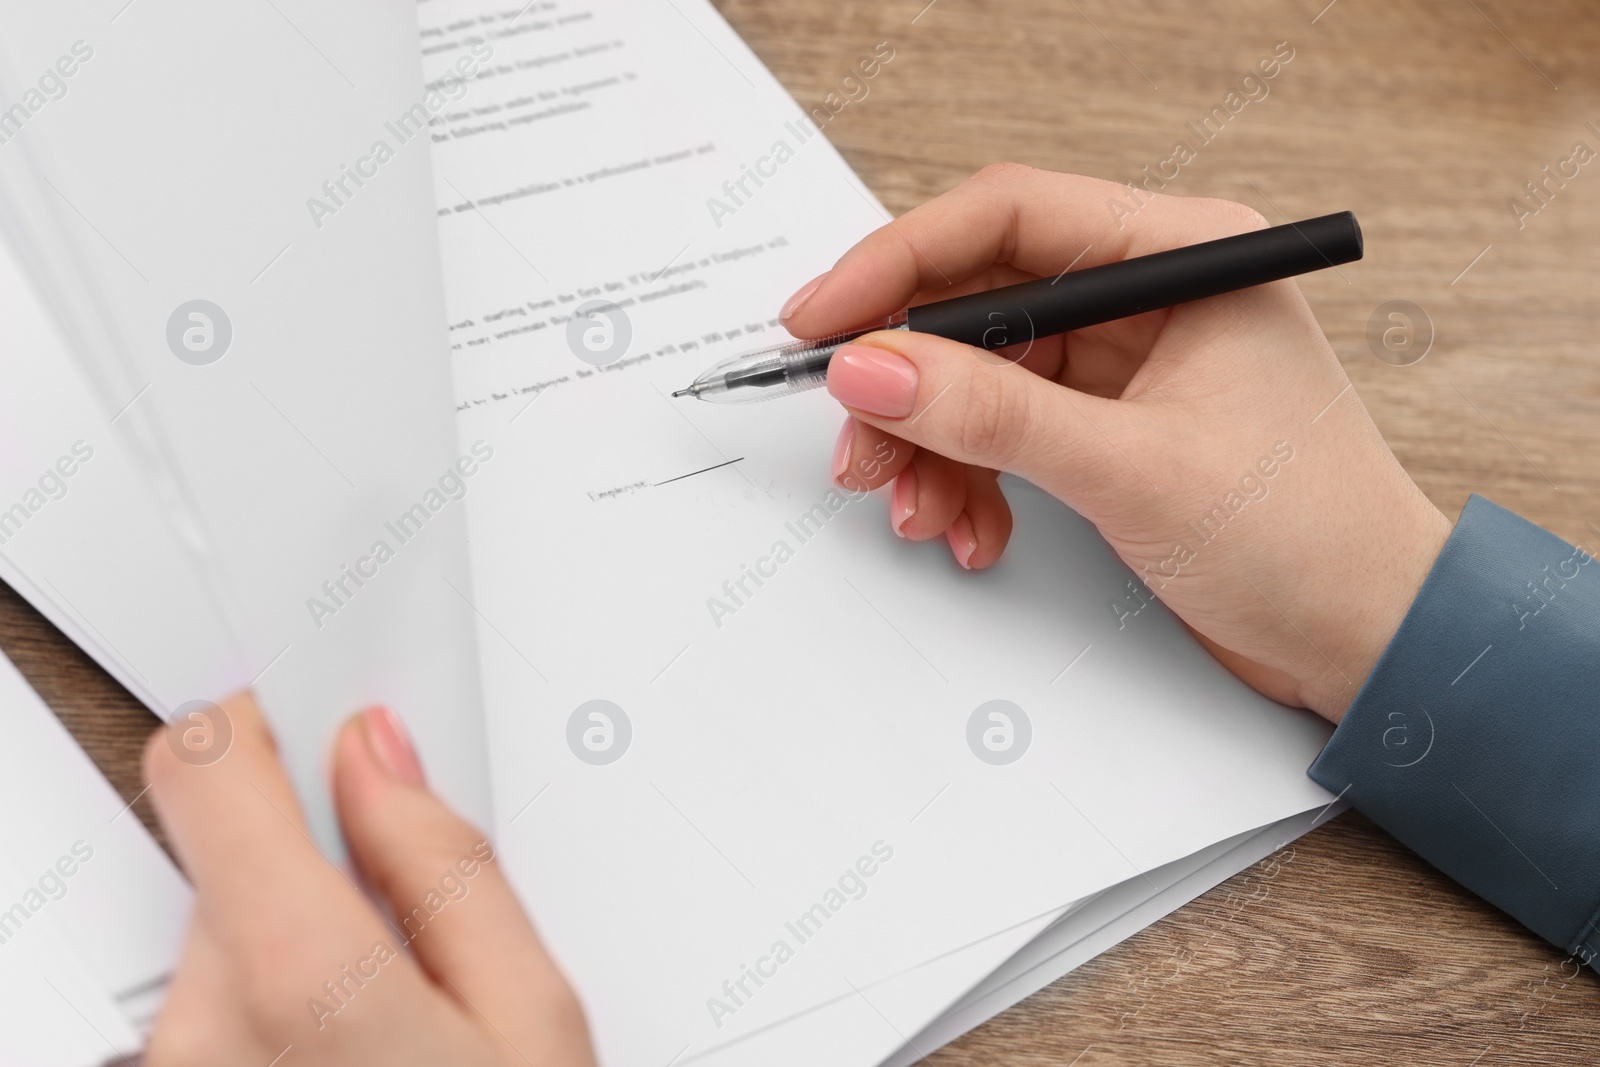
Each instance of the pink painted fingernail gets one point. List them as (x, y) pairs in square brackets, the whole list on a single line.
[(874, 380), (391, 745), (963, 542), (791, 305), (841, 449), (903, 502)]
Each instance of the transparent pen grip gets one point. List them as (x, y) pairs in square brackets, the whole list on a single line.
[(778, 370), (804, 371)]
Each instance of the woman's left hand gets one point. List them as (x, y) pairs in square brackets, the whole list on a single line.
[(287, 960)]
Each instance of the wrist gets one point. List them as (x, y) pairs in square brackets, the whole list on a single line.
[(1394, 558)]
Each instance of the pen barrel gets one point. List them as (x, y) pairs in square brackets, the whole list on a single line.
[(772, 372), (1018, 314)]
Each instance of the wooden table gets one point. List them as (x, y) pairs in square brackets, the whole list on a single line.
[(1425, 119)]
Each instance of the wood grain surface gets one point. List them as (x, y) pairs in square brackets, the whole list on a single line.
[(1426, 119)]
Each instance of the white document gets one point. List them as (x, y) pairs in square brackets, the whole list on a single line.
[(1097, 924), (80, 535), (53, 1012), (792, 816), (793, 760), (86, 883), (123, 904)]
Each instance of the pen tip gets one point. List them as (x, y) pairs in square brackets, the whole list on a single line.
[(685, 392)]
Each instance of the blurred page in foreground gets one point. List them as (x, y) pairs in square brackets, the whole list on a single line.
[(252, 286)]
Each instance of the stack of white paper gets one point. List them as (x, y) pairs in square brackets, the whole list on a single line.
[(91, 910), (735, 727)]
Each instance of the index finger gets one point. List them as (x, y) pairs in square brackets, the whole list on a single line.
[(233, 818), (1036, 221)]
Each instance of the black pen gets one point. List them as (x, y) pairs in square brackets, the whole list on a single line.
[(1018, 314)]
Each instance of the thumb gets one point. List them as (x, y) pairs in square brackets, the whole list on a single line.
[(981, 409), (451, 901)]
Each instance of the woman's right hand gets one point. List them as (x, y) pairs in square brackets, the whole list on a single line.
[(1218, 446)]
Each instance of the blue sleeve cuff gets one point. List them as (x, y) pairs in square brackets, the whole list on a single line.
[(1476, 739)]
